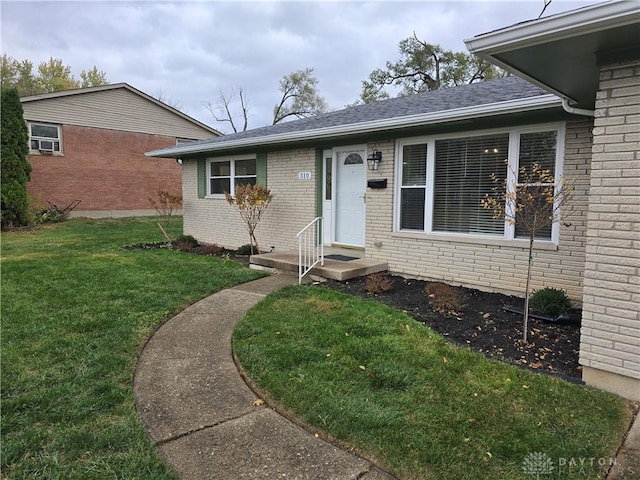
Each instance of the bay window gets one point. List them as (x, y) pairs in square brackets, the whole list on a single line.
[(442, 180)]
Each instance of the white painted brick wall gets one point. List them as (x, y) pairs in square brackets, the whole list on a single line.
[(610, 335), (212, 220)]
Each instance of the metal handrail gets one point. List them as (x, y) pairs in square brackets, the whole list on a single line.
[(310, 247)]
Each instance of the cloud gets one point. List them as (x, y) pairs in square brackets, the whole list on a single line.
[(191, 51)]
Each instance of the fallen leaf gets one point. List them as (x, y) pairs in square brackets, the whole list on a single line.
[(258, 402), (445, 359), (526, 387), (362, 367)]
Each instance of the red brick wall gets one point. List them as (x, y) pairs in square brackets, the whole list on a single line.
[(105, 169)]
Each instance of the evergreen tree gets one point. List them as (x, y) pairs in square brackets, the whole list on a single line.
[(15, 170)]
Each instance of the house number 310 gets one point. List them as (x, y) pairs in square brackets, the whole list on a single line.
[(304, 175)]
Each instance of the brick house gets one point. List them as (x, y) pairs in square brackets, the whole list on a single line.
[(419, 208), (88, 144)]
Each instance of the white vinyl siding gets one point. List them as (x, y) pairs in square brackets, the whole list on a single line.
[(115, 109)]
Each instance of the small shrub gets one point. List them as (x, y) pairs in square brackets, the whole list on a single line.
[(550, 301), (188, 240), (446, 299), (210, 249), (378, 283), (244, 249), (186, 243)]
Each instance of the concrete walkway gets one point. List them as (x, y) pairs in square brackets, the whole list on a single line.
[(201, 414)]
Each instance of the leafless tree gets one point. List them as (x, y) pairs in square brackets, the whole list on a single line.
[(161, 96), (221, 110)]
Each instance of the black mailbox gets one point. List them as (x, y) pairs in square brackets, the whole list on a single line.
[(377, 183)]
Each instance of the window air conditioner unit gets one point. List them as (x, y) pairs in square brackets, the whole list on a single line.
[(45, 146)]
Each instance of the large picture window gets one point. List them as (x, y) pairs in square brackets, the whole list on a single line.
[(442, 180), (226, 174)]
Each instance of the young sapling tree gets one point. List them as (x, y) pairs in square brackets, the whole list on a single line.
[(531, 201), (165, 206), (251, 201)]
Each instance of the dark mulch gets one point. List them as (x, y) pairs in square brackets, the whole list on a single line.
[(485, 327)]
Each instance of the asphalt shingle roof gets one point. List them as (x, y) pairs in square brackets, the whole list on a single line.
[(481, 93)]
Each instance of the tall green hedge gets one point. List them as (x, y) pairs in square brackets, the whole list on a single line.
[(15, 170)]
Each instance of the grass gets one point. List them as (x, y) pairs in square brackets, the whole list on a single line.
[(373, 378), (76, 310)]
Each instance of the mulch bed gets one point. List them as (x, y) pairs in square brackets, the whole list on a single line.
[(552, 347), (483, 326)]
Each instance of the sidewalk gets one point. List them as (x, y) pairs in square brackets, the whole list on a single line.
[(201, 414)]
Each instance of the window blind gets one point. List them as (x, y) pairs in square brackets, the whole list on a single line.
[(463, 168)]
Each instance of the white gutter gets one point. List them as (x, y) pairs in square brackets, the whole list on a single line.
[(576, 111), (569, 24), (489, 109)]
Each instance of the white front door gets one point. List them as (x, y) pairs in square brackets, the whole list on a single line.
[(350, 187)]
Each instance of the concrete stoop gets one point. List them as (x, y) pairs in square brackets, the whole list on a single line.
[(334, 269)]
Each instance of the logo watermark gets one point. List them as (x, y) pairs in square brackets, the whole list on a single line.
[(540, 464), (537, 463)]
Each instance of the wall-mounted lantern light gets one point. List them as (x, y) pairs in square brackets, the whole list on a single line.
[(374, 160)]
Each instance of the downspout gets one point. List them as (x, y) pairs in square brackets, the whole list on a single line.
[(576, 111)]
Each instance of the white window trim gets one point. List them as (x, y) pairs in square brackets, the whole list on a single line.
[(514, 147), (33, 151), (232, 159)]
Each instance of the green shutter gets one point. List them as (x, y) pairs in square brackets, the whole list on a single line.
[(261, 168), (202, 177)]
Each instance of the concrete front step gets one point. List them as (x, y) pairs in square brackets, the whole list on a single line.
[(333, 269)]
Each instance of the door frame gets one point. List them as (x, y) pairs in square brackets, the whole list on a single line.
[(334, 190)]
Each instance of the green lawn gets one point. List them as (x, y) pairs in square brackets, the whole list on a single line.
[(76, 310), (372, 377)]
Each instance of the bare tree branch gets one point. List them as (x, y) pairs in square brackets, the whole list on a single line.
[(546, 4), (221, 110)]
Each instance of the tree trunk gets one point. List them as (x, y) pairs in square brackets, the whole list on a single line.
[(526, 294)]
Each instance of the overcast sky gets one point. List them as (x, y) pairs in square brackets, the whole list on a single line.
[(192, 51)]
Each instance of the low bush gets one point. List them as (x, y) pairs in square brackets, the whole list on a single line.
[(245, 249), (377, 283), (210, 249), (446, 299), (187, 240), (550, 301)]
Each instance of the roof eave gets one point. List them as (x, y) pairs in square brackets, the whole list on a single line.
[(115, 86), (612, 14), (512, 106)]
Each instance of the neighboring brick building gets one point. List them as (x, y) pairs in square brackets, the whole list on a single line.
[(89, 144), (420, 210)]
